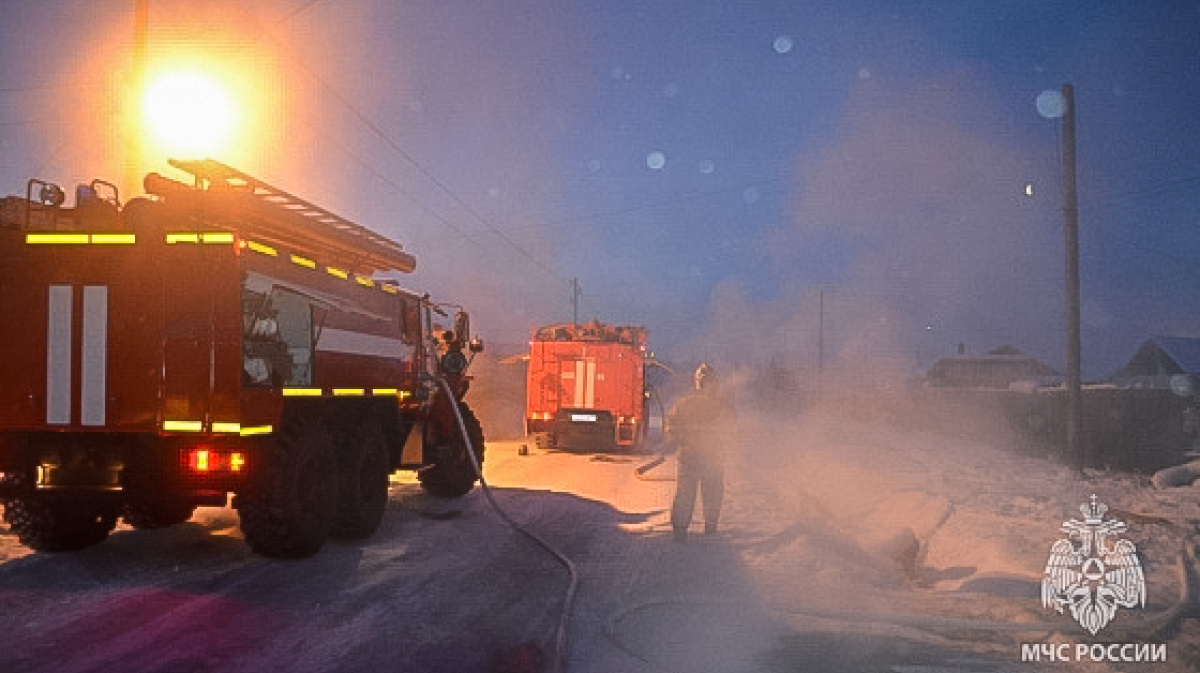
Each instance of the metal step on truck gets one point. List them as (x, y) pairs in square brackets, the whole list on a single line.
[(215, 338)]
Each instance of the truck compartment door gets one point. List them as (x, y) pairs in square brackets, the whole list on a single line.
[(77, 363), (579, 377), (589, 384)]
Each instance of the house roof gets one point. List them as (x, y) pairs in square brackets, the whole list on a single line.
[(1164, 355), (1185, 351), (998, 368)]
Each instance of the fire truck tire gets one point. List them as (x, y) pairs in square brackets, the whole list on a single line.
[(454, 475), (147, 513), (363, 492), (291, 512), (58, 525)]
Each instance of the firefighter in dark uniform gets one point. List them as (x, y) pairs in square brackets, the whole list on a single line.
[(700, 426)]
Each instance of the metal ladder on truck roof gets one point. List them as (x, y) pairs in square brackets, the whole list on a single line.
[(290, 219)]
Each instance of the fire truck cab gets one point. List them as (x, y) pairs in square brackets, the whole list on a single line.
[(585, 387), (214, 338)]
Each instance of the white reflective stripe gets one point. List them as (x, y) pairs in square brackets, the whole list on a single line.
[(93, 380), (577, 400), (360, 343), (589, 398), (58, 354)]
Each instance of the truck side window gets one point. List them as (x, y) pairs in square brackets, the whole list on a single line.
[(265, 360), (433, 345), (295, 327), (410, 321), (276, 339)]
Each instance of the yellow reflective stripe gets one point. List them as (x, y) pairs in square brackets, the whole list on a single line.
[(384, 391), (304, 261), (364, 281), (390, 289), (349, 391), (405, 394), (257, 430), (262, 249), (80, 239), (182, 426), (301, 392), (226, 427), (201, 237), (336, 273), (119, 239), (40, 239)]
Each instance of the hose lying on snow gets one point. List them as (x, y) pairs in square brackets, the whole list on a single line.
[(1153, 625), (642, 471), (560, 640)]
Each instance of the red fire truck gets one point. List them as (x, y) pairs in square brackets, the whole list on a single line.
[(585, 387), (213, 338)]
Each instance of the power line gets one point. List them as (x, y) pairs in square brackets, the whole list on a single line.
[(35, 122), (297, 11), (52, 156), (1131, 241), (379, 132), (1160, 188), (685, 199), (72, 81), (398, 189), (433, 179)]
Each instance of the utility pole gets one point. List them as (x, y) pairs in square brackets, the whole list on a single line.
[(132, 133), (820, 341), (575, 292), (1076, 446)]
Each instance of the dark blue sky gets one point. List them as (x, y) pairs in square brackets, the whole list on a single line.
[(708, 168)]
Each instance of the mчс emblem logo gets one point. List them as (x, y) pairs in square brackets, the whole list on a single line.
[(1091, 572)]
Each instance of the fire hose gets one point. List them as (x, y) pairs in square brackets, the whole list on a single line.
[(1154, 625), (1187, 565), (560, 640), (642, 471)]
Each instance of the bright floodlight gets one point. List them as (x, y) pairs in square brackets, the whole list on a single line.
[(189, 113)]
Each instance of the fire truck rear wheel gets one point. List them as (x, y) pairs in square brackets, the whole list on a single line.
[(291, 511), (454, 475), (59, 525), (363, 492)]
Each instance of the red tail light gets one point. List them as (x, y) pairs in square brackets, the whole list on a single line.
[(207, 460)]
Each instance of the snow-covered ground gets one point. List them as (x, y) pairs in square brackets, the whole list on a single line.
[(846, 545)]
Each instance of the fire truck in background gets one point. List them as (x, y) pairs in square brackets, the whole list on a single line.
[(586, 387), (213, 338)]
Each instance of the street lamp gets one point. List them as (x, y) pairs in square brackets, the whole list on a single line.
[(187, 102), (188, 112)]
